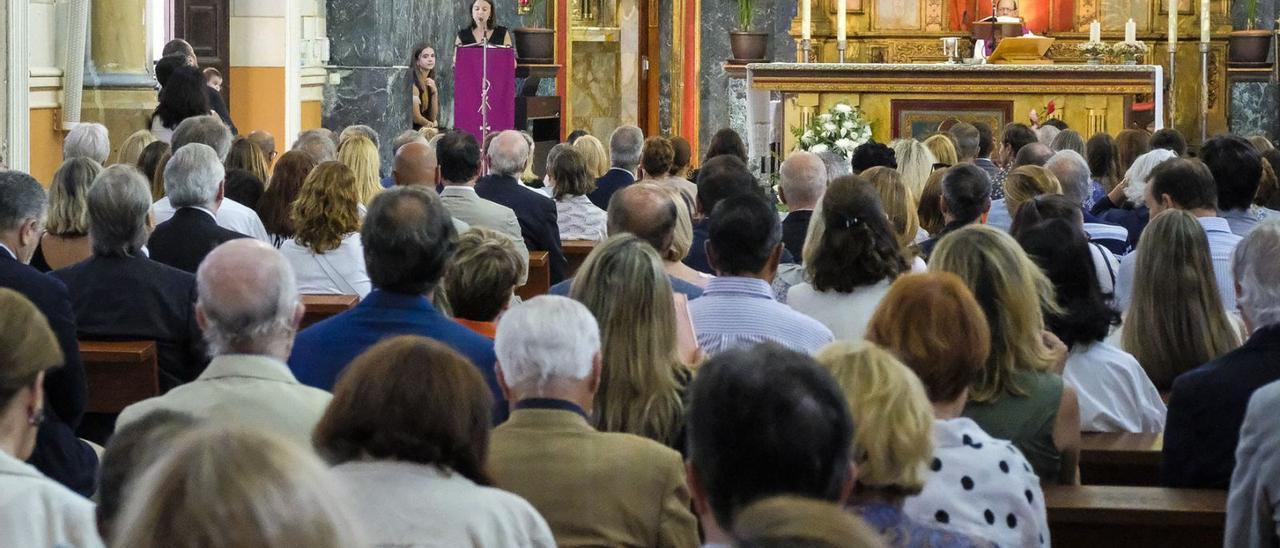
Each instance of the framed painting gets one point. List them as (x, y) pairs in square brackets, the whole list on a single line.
[(919, 118)]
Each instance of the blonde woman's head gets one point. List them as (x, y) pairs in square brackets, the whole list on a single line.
[(327, 208), (1013, 293), (361, 155), (801, 522), (248, 156), (894, 436), (623, 283), (132, 146), (1027, 182), (898, 202), (593, 152), (68, 197), (943, 148), (230, 486), (915, 163), (682, 238), (1170, 336)]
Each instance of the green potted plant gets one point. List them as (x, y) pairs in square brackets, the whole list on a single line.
[(535, 44), (748, 46), (1248, 48)]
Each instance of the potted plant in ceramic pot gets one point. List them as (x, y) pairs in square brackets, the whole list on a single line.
[(748, 46), (535, 44), (1249, 47)]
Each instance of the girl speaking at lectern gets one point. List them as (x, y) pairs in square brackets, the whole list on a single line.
[(482, 28)]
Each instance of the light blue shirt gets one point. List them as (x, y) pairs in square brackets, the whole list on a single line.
[(1243, 221), (735, 312), (1222, 244), (998, 216)]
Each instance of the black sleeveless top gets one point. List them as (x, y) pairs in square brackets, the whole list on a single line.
[(499, 36)]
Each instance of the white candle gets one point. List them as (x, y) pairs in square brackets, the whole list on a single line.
[(1130, 31), (806, 16), (841, 6), (1204, 21), (1095, 31), (1173, 22)]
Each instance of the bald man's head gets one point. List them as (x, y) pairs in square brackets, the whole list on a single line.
[(508, 154), (248, 300), (265, 142), (646, 210), (415, 164), (803, 178), (1033, 154)]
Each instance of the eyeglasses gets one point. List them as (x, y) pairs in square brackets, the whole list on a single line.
[(940, 165)]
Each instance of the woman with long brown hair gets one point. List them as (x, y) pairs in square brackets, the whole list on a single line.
[(276, 206), (426, 94)]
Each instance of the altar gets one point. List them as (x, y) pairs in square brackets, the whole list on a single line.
[(911, 100)]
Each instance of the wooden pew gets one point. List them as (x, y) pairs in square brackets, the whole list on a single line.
[(119, 374), (539, 281), (576, 251), (1099, 516), (1120, 459), (320, 307)]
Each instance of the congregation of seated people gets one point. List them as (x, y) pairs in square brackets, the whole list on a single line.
[(909, 354)]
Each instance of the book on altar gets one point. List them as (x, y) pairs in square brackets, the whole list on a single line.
[(1022, 50)]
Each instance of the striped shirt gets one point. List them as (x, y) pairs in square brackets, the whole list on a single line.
[(1222, 243), (736, 312)]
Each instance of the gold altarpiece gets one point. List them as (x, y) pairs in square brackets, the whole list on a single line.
[(904, 32)]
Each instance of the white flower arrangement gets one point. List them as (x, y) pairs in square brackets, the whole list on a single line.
[(1093, 49), (840, 129), (1129, 48)]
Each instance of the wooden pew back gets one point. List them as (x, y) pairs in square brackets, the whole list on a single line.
[(1095, 516), (320, 307), (119, 374), (576, 251), (1120, 459), (539, 281)]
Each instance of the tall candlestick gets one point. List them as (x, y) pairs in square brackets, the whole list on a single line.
[(1095, 31), (1204, 21), (1173, 22), (806, 19), (841, 6), (1130, 31)]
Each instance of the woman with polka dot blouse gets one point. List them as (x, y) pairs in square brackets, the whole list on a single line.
[(977, 484)]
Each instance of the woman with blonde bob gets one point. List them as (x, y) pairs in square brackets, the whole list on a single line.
[(593, 153), (408, 435), (1020, 396), (898, 202), (943, 149), (66, 238), (325, 249), (1170, 336), (682, 241), (361, 155), (934, 325), (131, 148), (624, 285), (230, 486), (892, 444), (249, 157)]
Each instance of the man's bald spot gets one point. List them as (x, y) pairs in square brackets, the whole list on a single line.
[(265, 141), (646, 210), (415, 164), (803, 179), (242, 276)]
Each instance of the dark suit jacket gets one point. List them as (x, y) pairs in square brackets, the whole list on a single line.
[(59, 454), (1134, 220), (1207, 408), (537, 216), (133, 299), (612, 181), (794, 227), (323, 350), (697, 257), (183, 241), (219, 107)]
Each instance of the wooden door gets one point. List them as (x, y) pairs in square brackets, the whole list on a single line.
[(206, 25)]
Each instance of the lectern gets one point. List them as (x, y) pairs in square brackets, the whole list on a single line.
[(469, 95), (994, 29)]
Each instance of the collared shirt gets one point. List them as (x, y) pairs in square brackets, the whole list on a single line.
[(738, 311), (553, 404), (627, 171), (231, 215), (1222, 244), (9, 251), (1242, 221), (999, 216)]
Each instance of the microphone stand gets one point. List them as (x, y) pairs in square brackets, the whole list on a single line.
[(484, 88)]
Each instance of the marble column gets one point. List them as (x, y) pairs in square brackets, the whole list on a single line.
[(719, 17), (1255, 105)]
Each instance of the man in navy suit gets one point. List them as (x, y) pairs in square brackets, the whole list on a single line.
[(408, 240), (58, 454), (625, 146), (193, 182), (508, 153)]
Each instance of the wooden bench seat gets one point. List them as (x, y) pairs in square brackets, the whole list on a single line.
[(320, 307), (576, 251), (1120, 459), (1099, 516), (119, 374), (539, 281)]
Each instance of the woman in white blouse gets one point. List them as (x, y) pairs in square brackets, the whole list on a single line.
[(851, 256), (1114, 391), (325, 250), (579, 219), (978, 485), (408, 434), (34, 510)]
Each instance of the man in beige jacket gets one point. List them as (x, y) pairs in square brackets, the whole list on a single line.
[(593, 488), (249, 309)]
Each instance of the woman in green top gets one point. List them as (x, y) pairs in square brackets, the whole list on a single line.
[(1020, 395)]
